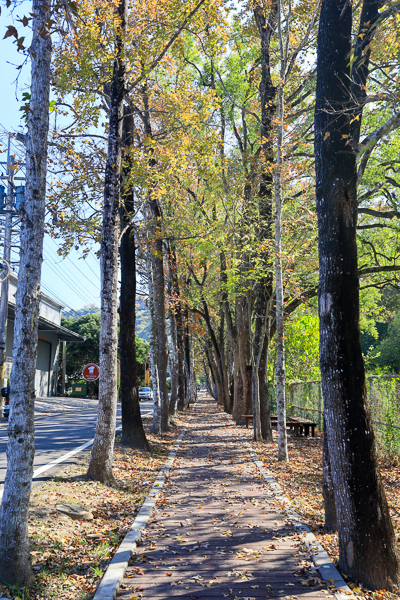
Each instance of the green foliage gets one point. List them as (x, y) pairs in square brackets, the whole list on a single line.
[(302, 345), (387, 352), (142, 319), (81, 353)]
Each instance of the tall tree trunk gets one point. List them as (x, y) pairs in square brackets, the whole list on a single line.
[(213, 388), (260, 322), (328, 490), (231, 376), (15, 562), (133, 434), (173, 355), (280, 333), (218, 347), (264, 290), (223, 363), (101, 459), (193, 384), (186, 356), (156, 282), (155, 380), (172, 266), (215, 372), (265, 406), (367, 543), (207, 377), (156, 250), (244, 404)]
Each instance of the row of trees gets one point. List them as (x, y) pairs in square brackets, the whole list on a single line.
[(250, 165), (79, 354)]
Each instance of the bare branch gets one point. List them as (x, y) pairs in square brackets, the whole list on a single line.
[(370, 141), (387, 214), (166, 47), (378, 269)]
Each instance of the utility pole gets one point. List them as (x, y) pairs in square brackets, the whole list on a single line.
[(6, 255), (64, 367)]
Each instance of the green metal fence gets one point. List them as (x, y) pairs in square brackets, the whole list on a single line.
[(304, 399)]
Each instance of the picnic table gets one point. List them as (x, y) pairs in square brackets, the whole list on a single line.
[(299, 425)]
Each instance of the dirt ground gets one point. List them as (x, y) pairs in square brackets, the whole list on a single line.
[(301, 481), (69, 557)]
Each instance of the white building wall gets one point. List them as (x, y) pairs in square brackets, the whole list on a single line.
[(48, 350), (48, 309), (46, 363)]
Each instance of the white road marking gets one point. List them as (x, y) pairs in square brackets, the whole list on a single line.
[(65, 457)]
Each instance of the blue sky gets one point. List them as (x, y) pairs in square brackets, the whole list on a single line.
[(73, 281)]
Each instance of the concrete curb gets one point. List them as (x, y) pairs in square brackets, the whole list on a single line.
[(116, 570), (323, 563)]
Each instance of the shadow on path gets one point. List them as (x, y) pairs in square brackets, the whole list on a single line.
[(218, 530)]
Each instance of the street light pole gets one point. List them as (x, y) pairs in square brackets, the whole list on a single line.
[(6, 256)]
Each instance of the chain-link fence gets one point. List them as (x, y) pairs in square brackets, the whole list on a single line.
[(304, 399)]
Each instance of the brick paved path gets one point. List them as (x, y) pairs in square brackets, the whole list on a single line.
[(219, 532)]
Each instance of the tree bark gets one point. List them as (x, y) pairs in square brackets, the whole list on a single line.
[(158, 335), (243, 406), (207, 378), (172, 265), (173, 355), (367, 544), (260, 323), (186, 356), (133, 434), (101, 459), (264, 289), (216, 374), (156, 282), (265, 406), (280, 325), (15, 561), (156, 423), (328, 489), (212, 385)]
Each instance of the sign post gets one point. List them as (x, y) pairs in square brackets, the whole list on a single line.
[(91, 372)]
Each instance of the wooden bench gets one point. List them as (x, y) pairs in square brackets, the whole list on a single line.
[(298, 424)]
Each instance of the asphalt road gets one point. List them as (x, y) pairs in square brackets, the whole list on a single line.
[(59, 433)]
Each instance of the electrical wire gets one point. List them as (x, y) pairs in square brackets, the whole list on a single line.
[(50, 262), (76, 266), (73, 288)]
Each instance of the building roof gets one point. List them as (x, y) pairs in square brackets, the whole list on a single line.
[(64, 334), (13, 277)]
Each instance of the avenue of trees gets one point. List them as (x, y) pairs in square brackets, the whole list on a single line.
[(240, 161), (79, 354)]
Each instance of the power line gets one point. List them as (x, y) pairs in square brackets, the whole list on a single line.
[(76, 266), (68, 271), (72, 286)]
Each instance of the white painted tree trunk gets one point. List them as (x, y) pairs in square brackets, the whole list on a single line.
[(100, 466), (156, 424), (15, 563), (193, 374), (173, 362), (280, 333)]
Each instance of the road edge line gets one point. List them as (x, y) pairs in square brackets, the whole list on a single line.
[(63, 458), (115, 572), (320, 557)]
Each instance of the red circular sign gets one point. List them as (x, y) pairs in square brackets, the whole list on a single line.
[(91, 372)]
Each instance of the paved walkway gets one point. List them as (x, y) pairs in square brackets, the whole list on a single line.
[(219, 531)]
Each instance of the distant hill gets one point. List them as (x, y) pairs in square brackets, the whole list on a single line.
[(87, 309), (142, 316), (142, 319)]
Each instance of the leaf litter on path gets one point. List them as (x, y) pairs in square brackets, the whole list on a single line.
[(69, 557)]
